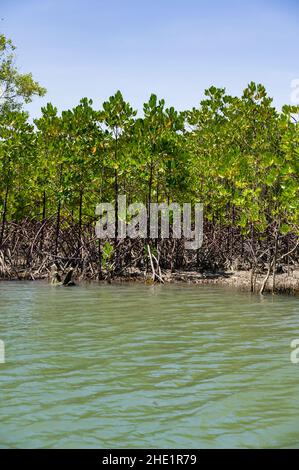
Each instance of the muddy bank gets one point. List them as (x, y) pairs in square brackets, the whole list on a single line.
[(284, 283)]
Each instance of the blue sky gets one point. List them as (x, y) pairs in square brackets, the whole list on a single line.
[(173, 48)]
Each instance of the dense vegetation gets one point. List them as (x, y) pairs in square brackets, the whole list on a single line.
[(237, 155)]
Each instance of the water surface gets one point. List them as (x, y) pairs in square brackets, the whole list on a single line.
[(139, 366)]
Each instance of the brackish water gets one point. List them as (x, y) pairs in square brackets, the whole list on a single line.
[(140, 366)]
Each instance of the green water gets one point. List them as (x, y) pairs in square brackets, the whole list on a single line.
[(139, 366)]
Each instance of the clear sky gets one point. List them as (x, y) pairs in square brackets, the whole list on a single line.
[(173, 48)]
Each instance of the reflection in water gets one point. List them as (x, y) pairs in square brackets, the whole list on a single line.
[(139, 366)]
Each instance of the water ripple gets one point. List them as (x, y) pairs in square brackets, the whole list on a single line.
[(138, 366)]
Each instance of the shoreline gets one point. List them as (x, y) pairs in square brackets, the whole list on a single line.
[(241, 280)]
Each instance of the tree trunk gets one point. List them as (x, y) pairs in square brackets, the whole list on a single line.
[(100, 273), (274, 260), (4, 214), (80, 222), (58, 213), (116, 221), (57, 227), (43, 220), (148, 224)]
